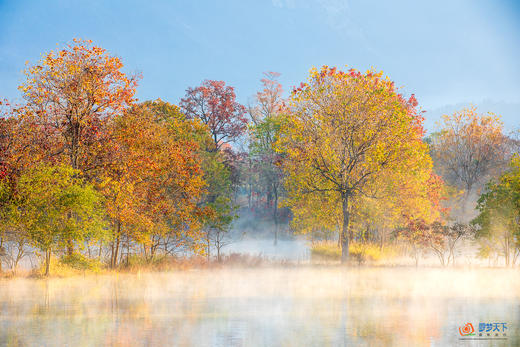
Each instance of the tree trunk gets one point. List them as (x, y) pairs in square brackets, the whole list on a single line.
[(465, 200), (70, 247), (127, 250), (1, 251), (115, 247), (506, 251), (344, 229), (47, 261), (250, 184), (208, 245), (452, 255), (116, 252), (416, 255), (275, 215)]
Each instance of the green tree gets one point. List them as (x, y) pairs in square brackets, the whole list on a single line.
[(498, 222), (264, 135), (220, 211), (54, 206)]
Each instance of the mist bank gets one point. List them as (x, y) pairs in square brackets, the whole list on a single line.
[(262, 306)]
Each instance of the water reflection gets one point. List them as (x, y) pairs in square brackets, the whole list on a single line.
[(235, 307)]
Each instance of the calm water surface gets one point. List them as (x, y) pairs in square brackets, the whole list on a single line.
[(300, 306)]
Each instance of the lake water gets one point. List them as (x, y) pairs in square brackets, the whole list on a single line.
[(297, 306)]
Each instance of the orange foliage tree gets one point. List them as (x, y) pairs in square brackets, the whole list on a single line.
[(72, 93), (155, 180)]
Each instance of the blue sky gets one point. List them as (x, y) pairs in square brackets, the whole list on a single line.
[(449, 53)]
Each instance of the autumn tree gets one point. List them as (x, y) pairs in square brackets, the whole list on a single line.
[(419, 235), (53, 205), (13, 139), (454, 235), (345, 130), (438, 237), (469, 149), (70, 94), (156, 180), (215, 105), (72, 91), (266, 123), (6, 138)]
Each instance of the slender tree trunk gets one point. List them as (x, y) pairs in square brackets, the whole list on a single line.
[(70, 242), (250, 184), (70, 247), (338, 228), (1, 251), (208, 245), (452, 254), (275, 214), (127, 250), (515, 256), (47, 261), (115, 246), (344, 229), (416, 255), (19, 254), (112, 248), (116, 252), (506, 249)]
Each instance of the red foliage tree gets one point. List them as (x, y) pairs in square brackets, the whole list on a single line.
[(215, 105)]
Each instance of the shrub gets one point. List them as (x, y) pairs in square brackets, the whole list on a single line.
[(80, 262)]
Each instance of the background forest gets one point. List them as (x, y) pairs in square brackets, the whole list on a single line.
[(92, 177)]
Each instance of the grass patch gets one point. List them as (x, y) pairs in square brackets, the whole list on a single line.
[(359, 252), (325, 250)]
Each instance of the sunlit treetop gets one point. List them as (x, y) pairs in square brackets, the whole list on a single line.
[(215, 105), (81, 78)]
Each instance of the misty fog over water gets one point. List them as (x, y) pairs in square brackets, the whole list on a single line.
[(270, 306)]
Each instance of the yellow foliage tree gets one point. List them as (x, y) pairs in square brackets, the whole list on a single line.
[(346, 135)]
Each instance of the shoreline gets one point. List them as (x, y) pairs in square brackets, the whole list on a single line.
[(270, 265)]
